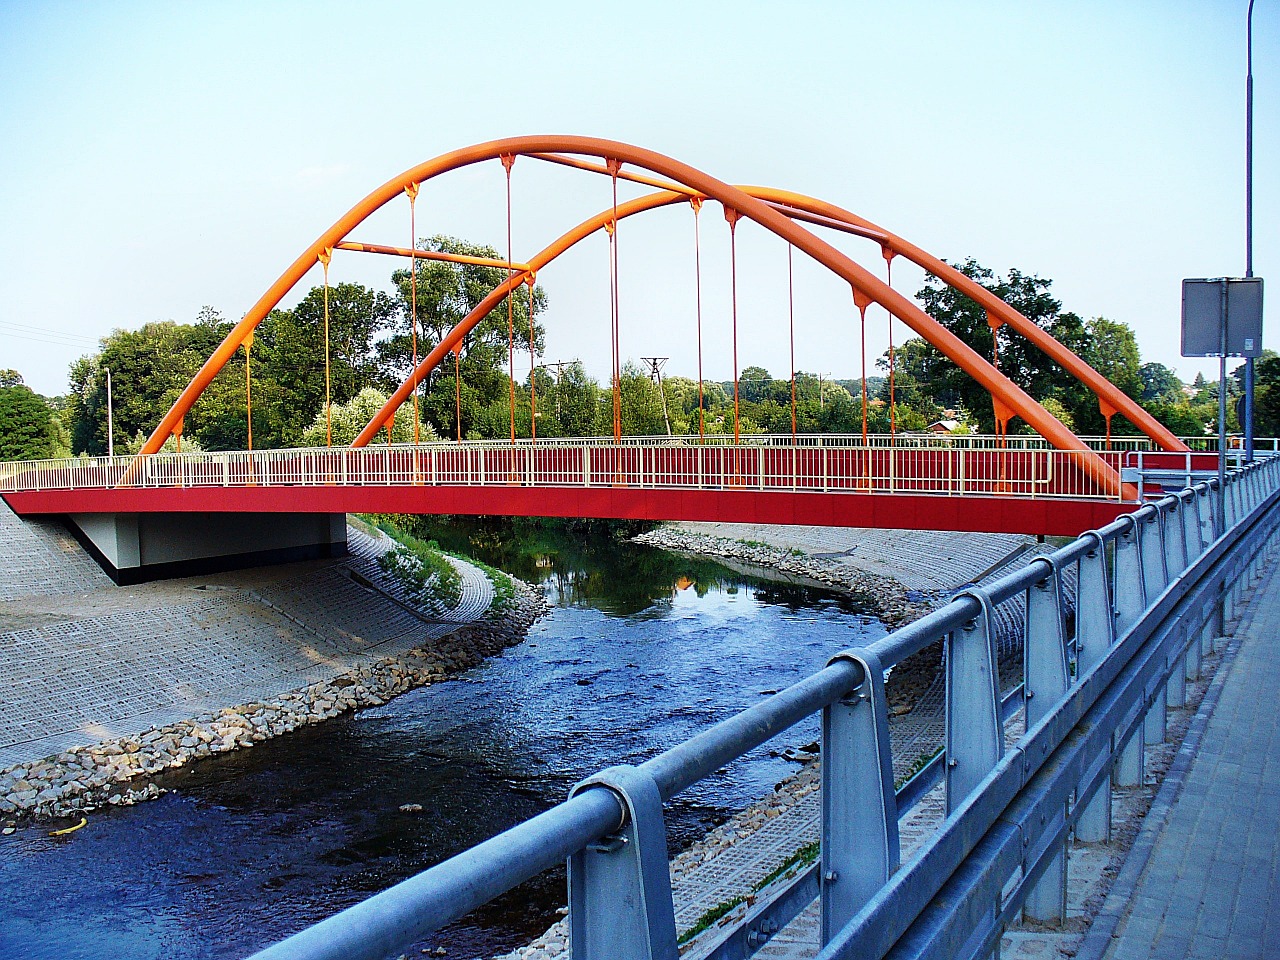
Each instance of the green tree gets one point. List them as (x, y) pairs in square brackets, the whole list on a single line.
[(28, 428), (349, 418), (641, 404), (1113, 352), (149, 368), (288, 354), (574, 399), (1159, 383), (1266, 395), (1103, 343)]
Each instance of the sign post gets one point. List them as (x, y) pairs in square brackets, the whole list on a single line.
[(1222, 318)]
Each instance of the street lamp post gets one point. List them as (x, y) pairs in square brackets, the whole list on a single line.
[(111, 437), (1248, 220)]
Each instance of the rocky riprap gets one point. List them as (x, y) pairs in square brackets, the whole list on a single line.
[(117, 772), (882, 596)]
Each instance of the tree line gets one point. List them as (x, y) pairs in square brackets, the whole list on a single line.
[(370, 352)]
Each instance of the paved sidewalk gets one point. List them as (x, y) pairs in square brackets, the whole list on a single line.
[(1203, 878)]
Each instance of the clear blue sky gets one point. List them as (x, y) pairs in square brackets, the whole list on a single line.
[(158, 156)]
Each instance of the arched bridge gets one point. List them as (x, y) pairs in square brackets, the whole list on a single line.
[(1055, 483)]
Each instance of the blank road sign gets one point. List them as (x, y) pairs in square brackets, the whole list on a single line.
[(1202, 317)]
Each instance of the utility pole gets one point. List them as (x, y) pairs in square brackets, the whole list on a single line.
[(111, 436), (655, 373), (559, 365)]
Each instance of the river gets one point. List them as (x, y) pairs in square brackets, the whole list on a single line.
[(642, 649)]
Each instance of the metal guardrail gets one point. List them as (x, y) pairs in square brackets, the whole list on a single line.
[(1153, 588)]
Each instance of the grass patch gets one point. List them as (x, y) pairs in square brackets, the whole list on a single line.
[(920, 763), (708, 919), (803, 857), (422, 569), (504, 590)]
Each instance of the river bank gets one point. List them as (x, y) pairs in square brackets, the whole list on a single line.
[(113, 686), (643, 649), (115, 771)]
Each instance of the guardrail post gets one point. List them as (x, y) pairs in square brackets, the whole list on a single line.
[(860, 848), (1176, 688), (1215, 507), (974, 734), (1204, 512), (1154, 579), (1195, 649), (1046, 680), (1095, 635), (1130, 600), (1155, 576), (1176, 561), (1175, 548), (1191, 527), (620, 886)]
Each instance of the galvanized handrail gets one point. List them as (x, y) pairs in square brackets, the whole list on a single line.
[(1154, 587)]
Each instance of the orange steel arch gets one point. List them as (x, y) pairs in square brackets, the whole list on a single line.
[(791, 204), (864, 284)]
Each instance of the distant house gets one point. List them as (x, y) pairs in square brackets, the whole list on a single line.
[(944, 426)]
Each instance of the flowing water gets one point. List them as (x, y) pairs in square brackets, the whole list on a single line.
[(642, 649)]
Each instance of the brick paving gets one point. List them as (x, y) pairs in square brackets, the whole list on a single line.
[(1204, 876), (49, 560)]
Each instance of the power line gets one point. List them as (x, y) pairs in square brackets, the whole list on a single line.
[(44, 331)]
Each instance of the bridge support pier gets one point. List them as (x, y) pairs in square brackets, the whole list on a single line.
[(140, 547)]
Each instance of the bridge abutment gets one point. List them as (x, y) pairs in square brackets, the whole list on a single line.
[(140, 547)]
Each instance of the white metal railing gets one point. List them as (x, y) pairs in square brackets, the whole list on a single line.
[(905, 463), (818, 464)]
